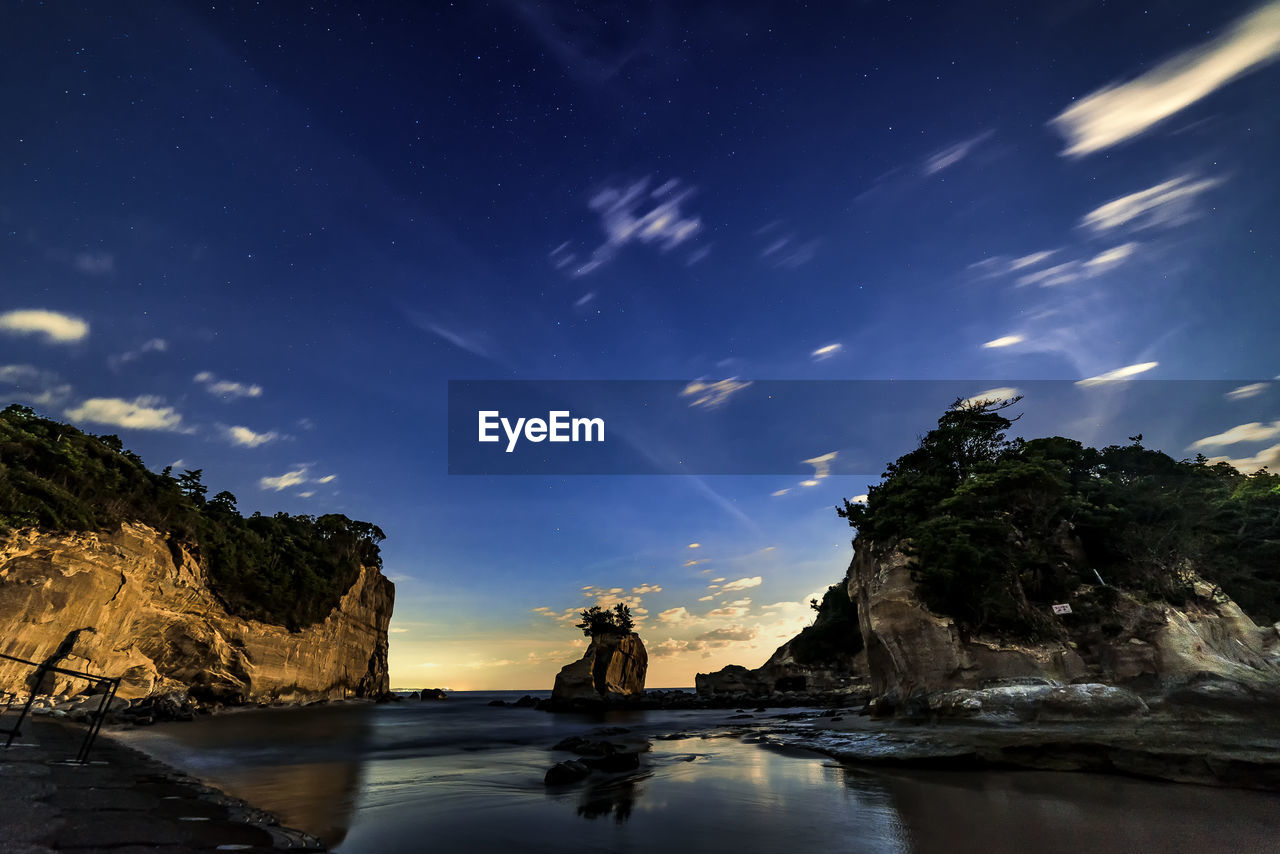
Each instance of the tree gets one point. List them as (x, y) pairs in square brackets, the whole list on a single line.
[(597, 621)]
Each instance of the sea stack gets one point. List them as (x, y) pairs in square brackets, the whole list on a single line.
[(611, 671)]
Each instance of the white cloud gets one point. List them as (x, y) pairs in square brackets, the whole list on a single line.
[(286, 480), (694, 546), (1117, 112), (706, 598), (1254, 431), (1060, 274), (953, 154), (731, 610), (226, 389), (1167, 203), (859, 499), (1245, 392), (53, 326), (307, 494), (646, 588), (1270, 458), (1118, 374), (329, 478), (155, 345), (632, 213), (992, 395), (675, 615), (726, 635), (780, 492), (1004, 341), (247, 438), (826, 352), (141, 413), (743, 583), (711, 395)]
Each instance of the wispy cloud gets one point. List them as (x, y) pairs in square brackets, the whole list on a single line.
[(953, 154), (711, 395), (141, 413), (94, 263), (633, 213), (1003, 341), (1254, 431), (1167, 203), (52, 326), (246, 438), (826, 352), (226, 389), (1118, 374), (34, 386), (297, 477), (1269, 457), (155, 345), (1245, 392), (743, 584), (992, 395), (1117, 112)]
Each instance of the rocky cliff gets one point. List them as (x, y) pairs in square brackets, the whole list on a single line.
[(783, 677), (612, 670), (133, 604), (1205, 649)]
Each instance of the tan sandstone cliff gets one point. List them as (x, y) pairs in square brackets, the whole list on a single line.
[(612, 670), (126, 604)]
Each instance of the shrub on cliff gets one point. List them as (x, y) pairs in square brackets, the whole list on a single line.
[(999, 529), (281, 569), (599, 621), (834, 634)]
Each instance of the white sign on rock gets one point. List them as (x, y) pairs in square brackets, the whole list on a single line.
[(1062, 609)]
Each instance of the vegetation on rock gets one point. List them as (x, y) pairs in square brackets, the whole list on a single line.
[(281, 569), (834, 633), (598, 621), (999, 529)]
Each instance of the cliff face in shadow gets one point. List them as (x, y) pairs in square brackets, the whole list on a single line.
[(133, 603), (1206, 649)]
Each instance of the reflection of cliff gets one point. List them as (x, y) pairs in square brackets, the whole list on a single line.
[(304, 765), (131, 603)]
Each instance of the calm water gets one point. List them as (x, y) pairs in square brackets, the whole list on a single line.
[(461, 775)]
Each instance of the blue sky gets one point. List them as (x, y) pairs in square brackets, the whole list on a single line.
[(260, 240)]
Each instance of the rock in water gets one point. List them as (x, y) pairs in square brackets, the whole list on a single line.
[(611, 670)]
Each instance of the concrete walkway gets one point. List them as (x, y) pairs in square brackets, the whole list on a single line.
[(121, 802)]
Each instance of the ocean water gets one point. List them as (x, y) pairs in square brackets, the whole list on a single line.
[(460, 775)]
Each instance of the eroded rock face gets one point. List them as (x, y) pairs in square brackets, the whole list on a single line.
[(913, 652), (127, 604), (612, 669)]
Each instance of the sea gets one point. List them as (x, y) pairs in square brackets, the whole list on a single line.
[(462, 775)]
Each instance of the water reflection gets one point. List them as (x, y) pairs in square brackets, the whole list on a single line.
[(614, 796)]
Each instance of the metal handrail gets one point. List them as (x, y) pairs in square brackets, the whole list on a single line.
[(43, 669)]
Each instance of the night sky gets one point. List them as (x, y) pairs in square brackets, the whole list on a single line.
[(260, 238)]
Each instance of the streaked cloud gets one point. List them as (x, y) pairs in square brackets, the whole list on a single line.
[(155, 345), (992, 395), (226, 389), (822, 464), (826, 352), (777, 493), (1254, 431), (1167, 203), (1118, 374), (141, 413), (52, 326), (694, 546), (1269, 457), (633, 213), (1004, 341), (953, 154), (1120, 111), (743, 584), (1245, 392), (297, 477), (246, 438), (711, 395)]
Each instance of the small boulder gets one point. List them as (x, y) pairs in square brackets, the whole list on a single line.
[(563, 773)]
